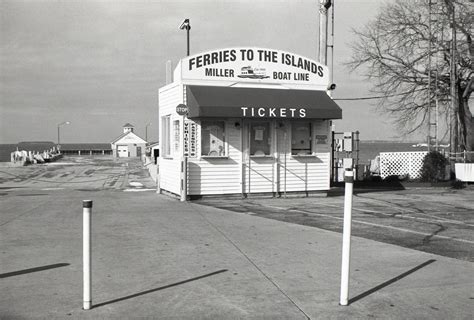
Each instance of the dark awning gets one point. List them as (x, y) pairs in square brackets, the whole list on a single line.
[(228, 102)]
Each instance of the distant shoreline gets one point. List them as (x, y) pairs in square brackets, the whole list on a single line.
[(7, 148), (369, 149)]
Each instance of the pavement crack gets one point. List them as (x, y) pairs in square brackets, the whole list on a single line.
[(428, 238), (253, 263)]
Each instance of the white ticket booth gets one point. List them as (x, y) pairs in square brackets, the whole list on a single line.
[(257, 121)]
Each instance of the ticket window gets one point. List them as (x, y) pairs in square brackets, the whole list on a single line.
[(213, 138), (260, 139), (301, 138)]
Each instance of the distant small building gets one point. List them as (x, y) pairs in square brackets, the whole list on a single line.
[(154, 151), (128, 144)]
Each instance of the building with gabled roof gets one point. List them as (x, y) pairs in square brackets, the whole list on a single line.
[(128, 144), (237, 124)]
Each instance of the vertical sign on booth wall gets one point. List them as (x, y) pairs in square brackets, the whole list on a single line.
[(190, 136)]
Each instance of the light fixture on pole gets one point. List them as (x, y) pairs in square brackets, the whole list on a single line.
[(185, 25), (59, 125), (146, 131)]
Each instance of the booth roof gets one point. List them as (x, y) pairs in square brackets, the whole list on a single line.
[(227, 102)]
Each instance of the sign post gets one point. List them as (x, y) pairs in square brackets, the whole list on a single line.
[(346, 237), (182, 110)]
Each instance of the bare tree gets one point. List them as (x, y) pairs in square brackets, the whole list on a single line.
[(408, 58)]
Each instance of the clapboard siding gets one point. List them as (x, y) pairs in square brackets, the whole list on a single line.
[(170, 168), (169, 175), (262, 175), (169, 98), (308, 174)]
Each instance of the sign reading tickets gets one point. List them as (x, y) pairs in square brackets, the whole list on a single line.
[(254, 65)]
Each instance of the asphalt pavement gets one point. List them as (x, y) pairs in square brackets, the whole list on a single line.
[(157, 258), (434, 220)]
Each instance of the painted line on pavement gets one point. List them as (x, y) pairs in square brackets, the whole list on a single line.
[(391, 227), (378, 225), (435, 219), (406, 210), (138, 190)]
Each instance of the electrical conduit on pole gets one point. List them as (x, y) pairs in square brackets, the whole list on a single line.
[(346, 237)]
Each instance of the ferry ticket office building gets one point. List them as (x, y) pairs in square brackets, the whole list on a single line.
[(256, 121)]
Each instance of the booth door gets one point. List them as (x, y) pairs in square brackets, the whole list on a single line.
[(258, 161)]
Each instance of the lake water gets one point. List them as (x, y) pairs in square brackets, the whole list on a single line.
[(368, 149)]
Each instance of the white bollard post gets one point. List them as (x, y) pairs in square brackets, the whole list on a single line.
[(346, 237), (86, 253)]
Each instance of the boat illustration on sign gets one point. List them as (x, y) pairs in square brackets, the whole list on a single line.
[(252, 73)]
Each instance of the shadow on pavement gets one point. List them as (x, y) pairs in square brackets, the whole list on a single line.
[(337, 188), (25, 271), (7, 188), (157, 289), (389, 282)]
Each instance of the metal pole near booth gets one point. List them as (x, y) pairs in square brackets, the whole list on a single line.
[(185, 25), (182, 110)]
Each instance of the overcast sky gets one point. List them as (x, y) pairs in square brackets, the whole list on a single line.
[(99, 64)]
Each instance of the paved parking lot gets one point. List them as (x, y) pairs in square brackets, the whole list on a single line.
[(158, 258), (435, 220), (76, 172)]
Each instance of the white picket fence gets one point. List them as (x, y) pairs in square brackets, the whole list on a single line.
[(402, 163)]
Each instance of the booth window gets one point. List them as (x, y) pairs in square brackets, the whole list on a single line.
[(213, 138), (260, 139), (166, 136), (301, 138)]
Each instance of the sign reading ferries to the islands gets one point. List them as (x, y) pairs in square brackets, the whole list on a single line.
[(254, 65)]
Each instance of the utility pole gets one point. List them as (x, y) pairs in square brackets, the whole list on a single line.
[(454, 131), (433, 72), (453, 121), (324, 6), (430, 37)]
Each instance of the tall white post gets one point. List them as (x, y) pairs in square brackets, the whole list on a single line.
[(86, 253), (346, 237)]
